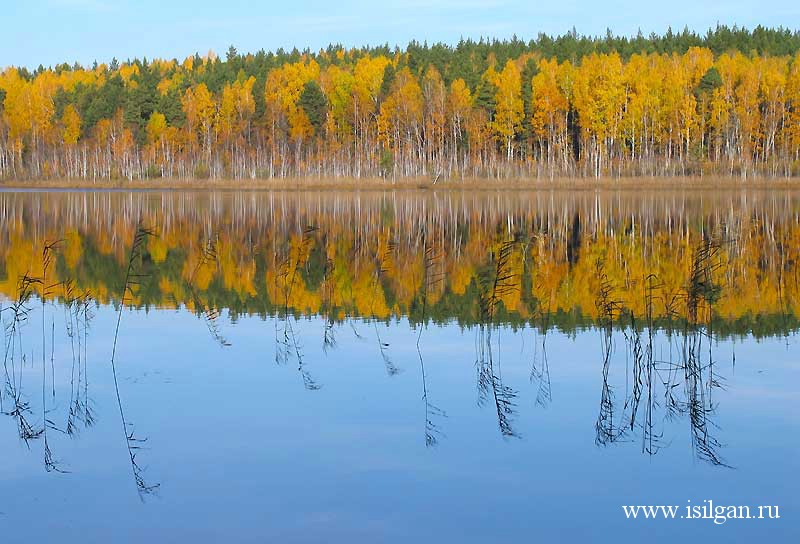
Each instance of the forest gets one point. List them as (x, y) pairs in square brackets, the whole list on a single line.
[(724, 103)]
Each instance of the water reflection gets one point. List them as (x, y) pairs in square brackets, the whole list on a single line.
[(662, 278), (374, 255)]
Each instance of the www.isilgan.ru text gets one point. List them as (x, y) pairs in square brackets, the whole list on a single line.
[(706, 510)]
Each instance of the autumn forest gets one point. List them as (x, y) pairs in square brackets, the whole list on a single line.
[(726, 103)]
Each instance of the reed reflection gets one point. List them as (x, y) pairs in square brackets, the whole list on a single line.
[(655, 274), (37, 423)]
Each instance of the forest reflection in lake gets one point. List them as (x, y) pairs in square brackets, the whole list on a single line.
[(210, 346)]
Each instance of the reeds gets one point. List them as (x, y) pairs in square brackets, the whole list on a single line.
[(491, 386), (77, 315), (383, 266), (607, 428), (288, 345), (498, 281), (14, 357), (327, 287), (431, 277), (50, 464), (133, 276), (686, 384), (541, 372), (210, 314)]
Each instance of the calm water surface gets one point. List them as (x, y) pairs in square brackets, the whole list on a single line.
[(395, 367)]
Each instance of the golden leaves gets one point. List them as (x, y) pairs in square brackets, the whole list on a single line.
[(282, 93), (156, 127), (509, 114), (200, 109), (72, 125)]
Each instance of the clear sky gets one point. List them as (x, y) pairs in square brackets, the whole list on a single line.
[(53, 31)]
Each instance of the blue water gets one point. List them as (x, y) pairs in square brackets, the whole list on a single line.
[(242, 451)]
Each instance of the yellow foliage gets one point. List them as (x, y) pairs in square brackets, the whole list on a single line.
[(72, 125)]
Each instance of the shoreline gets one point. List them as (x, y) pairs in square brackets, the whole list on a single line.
[(407, 184)]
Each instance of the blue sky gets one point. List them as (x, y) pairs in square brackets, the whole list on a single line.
[(53, 31)]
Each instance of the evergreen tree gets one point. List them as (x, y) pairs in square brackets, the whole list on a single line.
[(314, 104)]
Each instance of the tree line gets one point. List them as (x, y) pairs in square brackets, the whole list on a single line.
[(723, 103)]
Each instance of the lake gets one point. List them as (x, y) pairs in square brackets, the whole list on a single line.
[(426, 366)]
